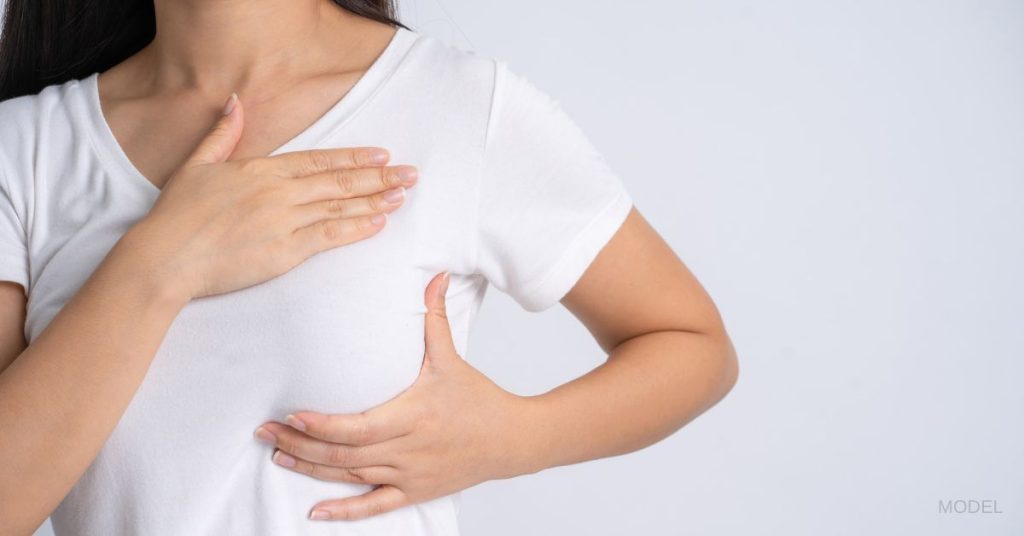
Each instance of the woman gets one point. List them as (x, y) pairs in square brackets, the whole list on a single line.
[(306, 271)]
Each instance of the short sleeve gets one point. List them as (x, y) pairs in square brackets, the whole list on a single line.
[(13, 248), (548, 201)]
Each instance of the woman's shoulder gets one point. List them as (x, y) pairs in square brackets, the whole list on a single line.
[(24, 108), (31, 120), (468, 76), (24, 118), (445, 61)]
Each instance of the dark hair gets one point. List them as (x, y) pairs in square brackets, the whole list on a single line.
[(47, 42)]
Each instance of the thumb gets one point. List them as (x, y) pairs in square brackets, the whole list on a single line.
[(438, 335), (222, 138)]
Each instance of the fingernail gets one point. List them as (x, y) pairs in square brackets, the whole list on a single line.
[(295, 423), (378, 156), (377, 219), (394, 195), (230, 103), (282, 459), (319, 514), (444, 282), (409, 175), (265, 436)]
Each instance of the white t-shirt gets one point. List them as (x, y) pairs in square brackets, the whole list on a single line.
[(511, 193)]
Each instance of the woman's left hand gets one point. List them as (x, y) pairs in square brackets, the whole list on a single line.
[(451, 429)]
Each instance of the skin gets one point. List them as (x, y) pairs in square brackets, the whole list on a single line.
[(669, 356)]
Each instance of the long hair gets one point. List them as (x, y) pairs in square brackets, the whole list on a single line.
[(47, 42)]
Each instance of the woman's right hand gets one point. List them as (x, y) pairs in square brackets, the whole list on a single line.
[(221, 225)]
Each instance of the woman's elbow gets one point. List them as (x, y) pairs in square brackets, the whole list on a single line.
[(725, 368), (730, 366)]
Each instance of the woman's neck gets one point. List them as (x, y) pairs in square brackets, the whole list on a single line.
[(220, 46)]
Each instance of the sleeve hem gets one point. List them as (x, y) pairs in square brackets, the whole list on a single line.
[(10, 259), (554, 284), (12, 277)]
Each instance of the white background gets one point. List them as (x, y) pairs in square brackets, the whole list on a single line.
[(846, 179)]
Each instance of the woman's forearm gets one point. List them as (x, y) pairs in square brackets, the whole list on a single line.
[(62, 397), (649, 387)]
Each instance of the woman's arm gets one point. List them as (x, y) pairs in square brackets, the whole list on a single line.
[(670, 358), (61, 398), (453, 428)]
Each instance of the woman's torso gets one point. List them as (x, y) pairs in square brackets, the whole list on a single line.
[(340, 333)]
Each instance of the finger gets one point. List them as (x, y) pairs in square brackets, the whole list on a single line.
[(326, 234), (313, 161), (220, 141), (316, 450), (381, 499), (373, 474), (311, 213), (350, 183), (389, 420), (437, 332)]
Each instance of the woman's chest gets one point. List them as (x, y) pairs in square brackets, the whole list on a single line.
[(341, 331), (81, 210)]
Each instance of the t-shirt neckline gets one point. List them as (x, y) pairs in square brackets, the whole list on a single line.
[(337, 115)]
